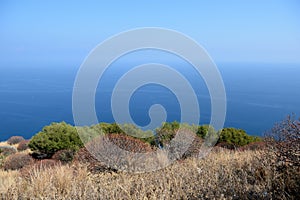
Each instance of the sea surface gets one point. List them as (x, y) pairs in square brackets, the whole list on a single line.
[(258, 95)]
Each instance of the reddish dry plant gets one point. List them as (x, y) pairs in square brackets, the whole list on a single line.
[(95, 153), (129, 143), (83, 156), (23, 145)]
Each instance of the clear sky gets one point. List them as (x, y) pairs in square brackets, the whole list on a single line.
[(43, 32)]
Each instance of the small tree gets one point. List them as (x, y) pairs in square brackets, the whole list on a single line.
[(55, 137)]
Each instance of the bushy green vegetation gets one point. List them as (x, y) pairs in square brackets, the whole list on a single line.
[(109, 128), (271, 172), (237, 137), (231, 136), (55, 137), (203, 130), (62, 136), (166, 132)]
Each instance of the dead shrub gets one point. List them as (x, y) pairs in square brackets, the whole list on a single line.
[(23, 145), (38, 165), (64, 155), (129, 143), (83, 156), (15, 140), (7, 150), (17, 161), (283, 146), (254, 146)]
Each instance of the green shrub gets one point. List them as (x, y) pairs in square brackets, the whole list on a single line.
[(109, 128), (167, 132), (237, 137), (17, 161), (55, 137), (203, 130), (15, 140), (87, 133), (145, 136)]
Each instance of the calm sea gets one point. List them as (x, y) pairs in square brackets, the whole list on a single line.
[(258, 95)]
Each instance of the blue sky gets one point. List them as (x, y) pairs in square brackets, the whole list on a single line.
[(48, 32)]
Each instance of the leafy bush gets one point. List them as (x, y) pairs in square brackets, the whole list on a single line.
[(87, 133), (237, 137), (203, 130), (17, 161), (64, 155), (109, 128), (55, 137), (167, 132), (23, 145), (145, 136), (15, 140)]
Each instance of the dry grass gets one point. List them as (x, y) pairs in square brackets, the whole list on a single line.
[(7, 180), (221, 175), (6, 144)]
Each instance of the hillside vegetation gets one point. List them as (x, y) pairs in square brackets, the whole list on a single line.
[(54, 164)]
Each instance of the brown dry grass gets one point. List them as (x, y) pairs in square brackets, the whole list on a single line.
[(221, 175)]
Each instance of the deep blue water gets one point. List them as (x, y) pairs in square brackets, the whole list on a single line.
[(258, 95)]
